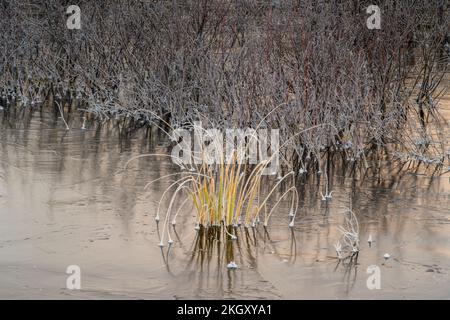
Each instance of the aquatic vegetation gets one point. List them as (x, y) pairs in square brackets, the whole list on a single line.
[(350, 236), (338, 248), (328, 194), (62, 115), (226, 64), (227, 193)]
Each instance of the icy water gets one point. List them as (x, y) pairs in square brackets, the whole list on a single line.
[(65, 199)]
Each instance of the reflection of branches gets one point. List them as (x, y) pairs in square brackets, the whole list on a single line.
[(213, 249), (351, 267), (293, 248), (166, 260), (349, 264)]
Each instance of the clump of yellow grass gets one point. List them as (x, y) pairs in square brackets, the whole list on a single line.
[(226, 193)]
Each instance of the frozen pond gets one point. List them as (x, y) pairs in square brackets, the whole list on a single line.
[(66, 200)]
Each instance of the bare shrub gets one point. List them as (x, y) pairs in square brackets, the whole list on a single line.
[(291, 64)]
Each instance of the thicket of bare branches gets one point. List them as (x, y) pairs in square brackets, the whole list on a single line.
[(232, 63)]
